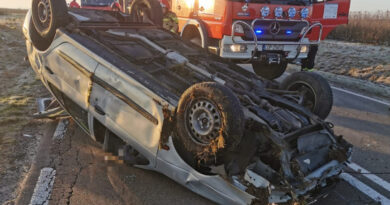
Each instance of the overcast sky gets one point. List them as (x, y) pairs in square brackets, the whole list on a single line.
[(357, 5)]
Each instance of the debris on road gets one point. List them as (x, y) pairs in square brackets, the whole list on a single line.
[(49, 108), (27, 135), (61, 129)]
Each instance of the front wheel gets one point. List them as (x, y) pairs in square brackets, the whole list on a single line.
[(46, 17), (269, 71), (309, 62), (209, 119), (314, 91)]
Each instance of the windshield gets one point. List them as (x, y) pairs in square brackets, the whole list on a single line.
[(287, 2), (96, 2)]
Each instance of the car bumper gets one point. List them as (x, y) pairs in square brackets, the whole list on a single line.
[(240, 49)]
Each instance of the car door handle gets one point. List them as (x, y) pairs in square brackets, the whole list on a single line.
[(49, 70), (99, 110)]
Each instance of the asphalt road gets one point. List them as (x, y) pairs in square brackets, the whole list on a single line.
[(84, 177), (366, 124)]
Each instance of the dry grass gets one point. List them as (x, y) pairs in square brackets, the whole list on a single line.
[(4, 11), (364, 27), (18, 90)]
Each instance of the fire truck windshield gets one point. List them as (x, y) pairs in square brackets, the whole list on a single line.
[(96, 2), (287, 2)]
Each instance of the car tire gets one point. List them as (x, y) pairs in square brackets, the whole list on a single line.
[(196, 40), (37, 40), (316, 91), (269, 71), (42, 31), (48, 15), (194, 33), (209, 120), (152, 7)]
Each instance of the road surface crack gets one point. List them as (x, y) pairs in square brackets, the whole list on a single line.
[(80, 169)]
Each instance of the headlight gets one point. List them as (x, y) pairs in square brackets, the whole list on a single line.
[(304, 13), (265, 11), (238, 48), (278, 12), (292, 12), (238, 28), (304, 49)]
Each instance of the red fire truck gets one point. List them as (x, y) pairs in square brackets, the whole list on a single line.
[(109, 5), (269, 34), (149, 11)]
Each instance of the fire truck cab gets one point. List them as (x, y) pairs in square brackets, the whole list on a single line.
[(269, 34)]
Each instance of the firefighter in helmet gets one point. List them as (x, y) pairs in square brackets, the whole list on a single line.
[(170, 21)]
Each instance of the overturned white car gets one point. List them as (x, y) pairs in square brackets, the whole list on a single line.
[(210, 125)]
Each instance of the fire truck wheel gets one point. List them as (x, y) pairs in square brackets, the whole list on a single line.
[(147, 11), (209, 120), (193, 34), (314, 90), (196, 40), (271, 71), (309, 62), (48, 15)]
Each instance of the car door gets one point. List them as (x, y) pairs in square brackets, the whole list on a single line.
[(126, 107), (68, 71)]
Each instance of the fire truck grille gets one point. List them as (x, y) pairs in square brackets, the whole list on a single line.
[(269, 30)]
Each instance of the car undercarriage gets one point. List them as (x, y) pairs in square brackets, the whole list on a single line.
[(226, 133)]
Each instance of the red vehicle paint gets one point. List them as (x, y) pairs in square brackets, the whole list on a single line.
[(74, 4), (108, 5), (294, 38)]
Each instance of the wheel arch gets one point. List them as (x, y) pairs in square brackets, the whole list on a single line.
[(200, 27)]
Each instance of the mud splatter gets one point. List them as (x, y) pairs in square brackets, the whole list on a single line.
[(212, 149)]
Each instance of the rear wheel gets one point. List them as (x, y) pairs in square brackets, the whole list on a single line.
[(209, 120), (37, 40), (192, 34), (146, 11), (47, 16), (196, 40), (269, 71), (315, 93)]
